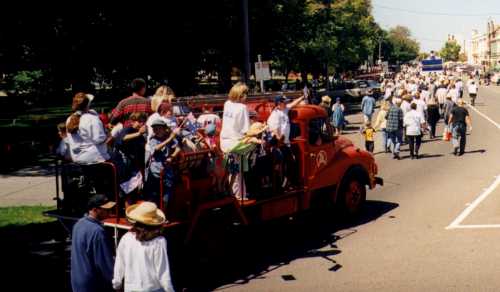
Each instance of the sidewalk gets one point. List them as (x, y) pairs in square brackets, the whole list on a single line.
[(27, 187)]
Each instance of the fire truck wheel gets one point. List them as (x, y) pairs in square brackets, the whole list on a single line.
[(352, 195)]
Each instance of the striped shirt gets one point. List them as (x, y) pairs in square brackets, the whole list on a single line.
[(127, 106)]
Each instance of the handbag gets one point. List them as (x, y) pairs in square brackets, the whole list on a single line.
[(446, 134)]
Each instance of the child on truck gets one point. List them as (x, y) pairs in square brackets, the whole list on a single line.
[(161, 151)]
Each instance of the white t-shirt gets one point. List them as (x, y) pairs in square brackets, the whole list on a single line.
[(278, 121), (87, 145), (405, 107), (472, 88), (235, 123), (425, 95), (454, 94), (143, 265), (413, 121), (441, 94), (421, 106)]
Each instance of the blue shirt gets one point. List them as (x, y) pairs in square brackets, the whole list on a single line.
[(368, 105), (91, 257), (155, 160)]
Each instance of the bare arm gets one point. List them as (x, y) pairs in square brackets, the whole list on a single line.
[(137, 134), (295, 102)]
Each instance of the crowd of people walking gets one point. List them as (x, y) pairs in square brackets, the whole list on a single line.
[(414, 103)]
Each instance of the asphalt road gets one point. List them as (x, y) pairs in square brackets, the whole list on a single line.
[(402, 242)]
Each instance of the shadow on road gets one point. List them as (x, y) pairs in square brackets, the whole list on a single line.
[(253, 252), (221, 257), (37, 257), (482, 151), (40, 169)]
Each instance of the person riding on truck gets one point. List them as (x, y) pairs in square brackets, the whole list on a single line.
[(279, 125)]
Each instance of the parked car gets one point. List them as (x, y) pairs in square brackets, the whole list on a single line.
[(355, 90)]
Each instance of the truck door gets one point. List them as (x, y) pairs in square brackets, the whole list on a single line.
[(320, 152)]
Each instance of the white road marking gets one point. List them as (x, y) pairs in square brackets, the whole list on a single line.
[(484, 226), (485, 116), (474, 204), (486, 192)]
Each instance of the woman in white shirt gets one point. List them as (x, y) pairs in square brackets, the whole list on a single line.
[(86, 134), (141, 258), (414, 123), (235, 123)]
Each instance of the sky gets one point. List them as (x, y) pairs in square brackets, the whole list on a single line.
[(431, 21)]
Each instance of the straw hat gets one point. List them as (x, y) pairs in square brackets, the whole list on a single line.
[(326, 99), (146, 213), (256, 128)]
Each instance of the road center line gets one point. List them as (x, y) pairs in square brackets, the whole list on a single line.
[(456, 223)]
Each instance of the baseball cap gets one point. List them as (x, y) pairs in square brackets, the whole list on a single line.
[(280, 98), (158, 122), (100, 201)]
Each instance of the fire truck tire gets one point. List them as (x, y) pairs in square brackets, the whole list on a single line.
[(351, 193)]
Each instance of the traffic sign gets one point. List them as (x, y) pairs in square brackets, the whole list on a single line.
[(262, 71)]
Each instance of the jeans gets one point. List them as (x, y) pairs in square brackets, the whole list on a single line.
[(459, 136), (395, 138), (433, 129), (415, 142), (367, 118), (385, 138)]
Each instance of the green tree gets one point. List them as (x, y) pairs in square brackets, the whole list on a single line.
[(450, 51), (402, 47)]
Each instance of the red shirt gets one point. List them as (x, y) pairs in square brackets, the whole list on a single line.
[(127, 106)]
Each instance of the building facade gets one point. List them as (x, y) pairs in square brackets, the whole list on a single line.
[(485, 47)]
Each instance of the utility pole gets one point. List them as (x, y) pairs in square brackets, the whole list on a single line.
[(380, 50), (246, 42)]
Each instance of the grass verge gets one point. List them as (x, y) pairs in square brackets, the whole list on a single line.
[(24, 215)]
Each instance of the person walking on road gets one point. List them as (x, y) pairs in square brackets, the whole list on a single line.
[(338, 119), (394, 129), (414, 123), (472, 88), (91, 250), (368, 107), (432, 116), (368, 133), (459, 120), (381, 124)]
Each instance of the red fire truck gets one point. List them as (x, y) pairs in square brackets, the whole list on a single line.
[(334, 171)]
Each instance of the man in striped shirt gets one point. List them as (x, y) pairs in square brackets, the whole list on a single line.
[(134, 103)]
